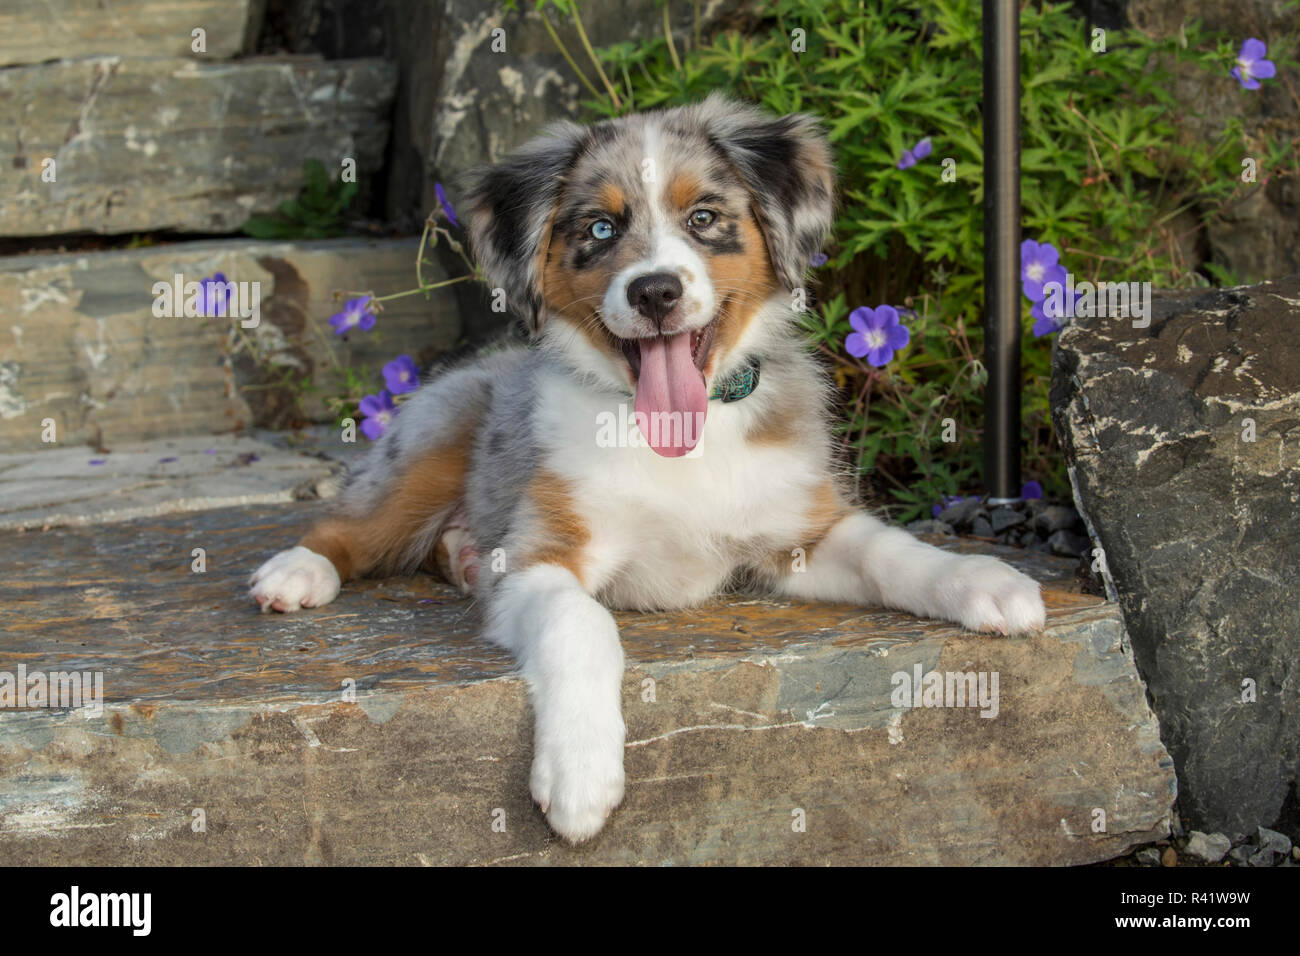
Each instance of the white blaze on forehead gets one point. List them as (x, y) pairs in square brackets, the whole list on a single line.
[(669, 250)]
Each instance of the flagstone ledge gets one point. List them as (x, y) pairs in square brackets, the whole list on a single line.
[(381, 729)]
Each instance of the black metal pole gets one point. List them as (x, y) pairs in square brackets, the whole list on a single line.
[(1002, 249)]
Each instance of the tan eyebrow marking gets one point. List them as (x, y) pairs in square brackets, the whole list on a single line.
[(682, 190), (612, 198)]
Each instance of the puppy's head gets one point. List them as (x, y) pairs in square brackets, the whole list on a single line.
[(646, 247)]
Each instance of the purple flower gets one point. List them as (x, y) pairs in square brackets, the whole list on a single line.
[(169, 458), (1039, 265), (1251, 66), (355, 315), (401, 375), (818, 260), (216, 291), (1044, 324), (380, 412), (97, 461), (917, 152), (877, 334), (445, 204), (1031, 489), (1048, 317)]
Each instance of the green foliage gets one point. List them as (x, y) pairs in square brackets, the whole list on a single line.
[(318, 213), (1117, 175)]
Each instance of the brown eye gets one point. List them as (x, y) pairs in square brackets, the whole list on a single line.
[(701, 218)]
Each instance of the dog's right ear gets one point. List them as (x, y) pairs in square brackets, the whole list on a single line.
[(511, 206)]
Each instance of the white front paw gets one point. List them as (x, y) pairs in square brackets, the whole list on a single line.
[(295, 579), (984, 594), (577, 777)]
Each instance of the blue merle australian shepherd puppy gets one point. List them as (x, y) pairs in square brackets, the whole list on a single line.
[(658, 260)]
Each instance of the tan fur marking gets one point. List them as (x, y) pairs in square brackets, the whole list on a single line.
[(824, 513), (377, 542), (828, 506), (682, 190), (743, 281), (562, 532), (778, 427), (335, 540), (576, 295), (612, 199)]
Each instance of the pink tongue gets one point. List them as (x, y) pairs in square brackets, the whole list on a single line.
[(671, 400)]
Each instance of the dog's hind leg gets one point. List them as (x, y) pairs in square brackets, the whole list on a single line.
[(397, 505), (456, 554), (398, 535)]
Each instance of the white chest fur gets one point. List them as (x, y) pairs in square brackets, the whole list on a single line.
[(669, 531)]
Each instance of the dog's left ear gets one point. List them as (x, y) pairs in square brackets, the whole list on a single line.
[(786, 163), (510, 208)]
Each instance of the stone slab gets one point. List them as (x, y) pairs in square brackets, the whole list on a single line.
[(66, 29), (78, 486), (146, 144), (743, 717), (79, 342)]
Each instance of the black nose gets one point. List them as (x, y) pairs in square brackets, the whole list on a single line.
[(654, 295)]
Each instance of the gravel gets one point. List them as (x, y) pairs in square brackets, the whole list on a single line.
[(1030, 523), (1211, 847), (1279, 843)]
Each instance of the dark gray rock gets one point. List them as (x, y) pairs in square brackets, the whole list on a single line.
[(1239, 855), (1148, 856), (1056, 518), (1181, 442), (962, 512), (981, 528), (1003, 518), (1067, 544)]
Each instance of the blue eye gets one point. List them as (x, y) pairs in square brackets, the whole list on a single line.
[(602, 229), (702, 217)]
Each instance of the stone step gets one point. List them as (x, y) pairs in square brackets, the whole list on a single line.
[(228, 736), (162, 143), (64, 29), (80, 486), (80, 343)]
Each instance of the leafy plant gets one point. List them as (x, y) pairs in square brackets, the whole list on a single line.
[(317, 213), (1116, 174)]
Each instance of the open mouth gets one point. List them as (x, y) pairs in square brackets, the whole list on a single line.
[(701, 342), (671, 399)]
